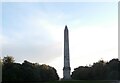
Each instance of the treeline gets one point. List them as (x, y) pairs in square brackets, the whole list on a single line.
[(27, 71), (98, 71)]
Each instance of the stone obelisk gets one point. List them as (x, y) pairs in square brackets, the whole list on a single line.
[(66, 69)]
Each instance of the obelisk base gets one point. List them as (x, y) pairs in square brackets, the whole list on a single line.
[(66, 71)]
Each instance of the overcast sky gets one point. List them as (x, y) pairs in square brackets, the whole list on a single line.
[(34, 32)]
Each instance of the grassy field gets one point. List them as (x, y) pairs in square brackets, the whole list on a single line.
[(84, 81)]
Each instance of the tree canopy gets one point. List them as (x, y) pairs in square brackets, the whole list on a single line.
[(98, 71), (27, 71)]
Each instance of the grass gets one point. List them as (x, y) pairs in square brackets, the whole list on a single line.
[(83, 81)]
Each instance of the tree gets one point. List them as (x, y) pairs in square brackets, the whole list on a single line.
[(98, 71), (27, 71), (48, 73), (113, 75), (113, 69), (81, 73), (8, 59)]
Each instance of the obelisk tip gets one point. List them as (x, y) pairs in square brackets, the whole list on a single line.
[(66, 27)]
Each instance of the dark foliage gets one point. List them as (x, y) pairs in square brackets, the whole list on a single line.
[(98, 71), (27, 72), (34, 72)]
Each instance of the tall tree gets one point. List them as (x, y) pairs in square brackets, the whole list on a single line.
[(8, 59)]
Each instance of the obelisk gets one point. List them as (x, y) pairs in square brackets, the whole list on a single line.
[(66, 69)]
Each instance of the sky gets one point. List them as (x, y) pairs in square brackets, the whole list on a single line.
[(34, 31), (59, 0)]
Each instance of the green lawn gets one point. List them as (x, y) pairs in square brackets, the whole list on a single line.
[(84, 81)]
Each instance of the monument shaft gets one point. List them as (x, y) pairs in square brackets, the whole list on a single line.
[(66, 69)]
